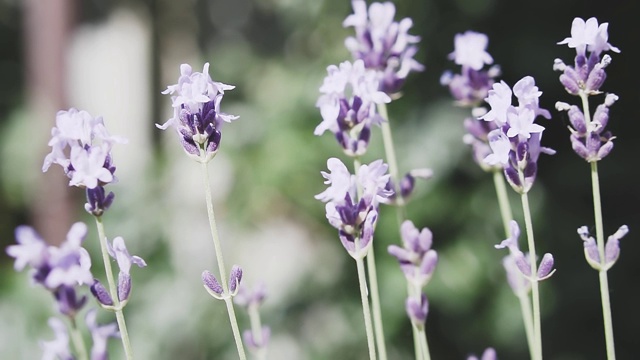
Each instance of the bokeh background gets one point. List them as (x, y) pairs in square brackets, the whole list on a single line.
[(113, 58)]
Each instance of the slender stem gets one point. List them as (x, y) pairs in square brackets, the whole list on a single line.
[(122, 325), (256, 330), (503, 200), (390, 154), (525, 308), (76, 338), (537, 328), (375, 303), (507, 216), (366, 311), (220, 260), (602, 273), (375, 292)]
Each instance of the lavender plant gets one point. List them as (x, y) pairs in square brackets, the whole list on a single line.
[(515, 145), (592, 143), (198, 120), (81, 145)]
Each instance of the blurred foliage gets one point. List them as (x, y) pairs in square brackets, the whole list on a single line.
[(276, 53)]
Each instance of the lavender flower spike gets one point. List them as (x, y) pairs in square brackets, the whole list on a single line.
[(522, 262), (81, 144), (348, 105), (196, 112), (417, 259), (383, 44)]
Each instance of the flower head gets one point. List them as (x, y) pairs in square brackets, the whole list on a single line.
[(81, 144), (383, 44), (352, 202), (417, 259), (347, 103), (470, 50), (196, 112), (611, 250), (522, 262)]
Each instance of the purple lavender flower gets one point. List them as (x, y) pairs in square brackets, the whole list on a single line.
[(58, 269), (383, 44), (57, 348), (352, 202), (407, 184), (472, 85), (488, 354), (119, 252), (518, 283), (248, 298), (515, 142), (348, 105), (587, 75), (417, 259), (611, 250), (100, 334), (590, 141), (53, 266), (417, 310), (216, 290), (196, 112), (522, 262), (81, 144)]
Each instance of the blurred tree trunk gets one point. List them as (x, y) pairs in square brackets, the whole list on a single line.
[(47, 31)]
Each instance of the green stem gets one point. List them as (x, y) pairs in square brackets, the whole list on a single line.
[(76, 338), (256, 330), (117, 308), (503, 201), (537, 328), (602, 273), (507, 216), (390, 155), (218, 250), (366, 311), (375, 292)]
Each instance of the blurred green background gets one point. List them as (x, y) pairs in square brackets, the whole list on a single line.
[(113, 58)]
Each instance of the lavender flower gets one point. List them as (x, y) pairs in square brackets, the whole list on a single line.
[(407, 184), (53, 266), (81, 144), (248, 298), (417, 310), (216, 290), (522, 262), (100, 334), (57, 348), (383, 44), (119, 252), (590, 141), (488, 354), (587, 75), (196, 112), (348, 105), (472, 85), (515, 143), (352, 202), (611, 249), (417, 259)]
